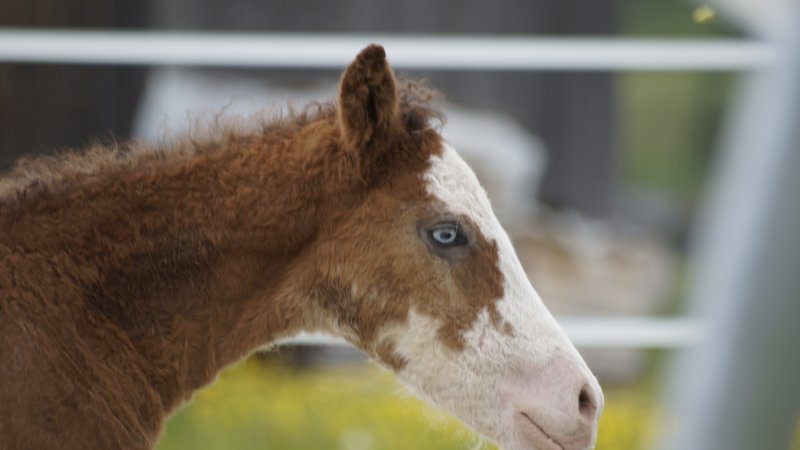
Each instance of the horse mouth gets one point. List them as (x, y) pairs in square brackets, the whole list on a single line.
[(541, 436)]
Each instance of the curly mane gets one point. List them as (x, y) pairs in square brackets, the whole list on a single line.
[(31, 175)]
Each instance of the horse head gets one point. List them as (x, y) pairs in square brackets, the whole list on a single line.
[(419, 274)]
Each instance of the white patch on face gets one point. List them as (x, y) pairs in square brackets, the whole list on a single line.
[(479, 384), (452, 181)]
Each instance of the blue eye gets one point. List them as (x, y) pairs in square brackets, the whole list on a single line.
[(445, 236), (448, 236)]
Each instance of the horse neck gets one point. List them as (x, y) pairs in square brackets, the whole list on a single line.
[(191, 262)]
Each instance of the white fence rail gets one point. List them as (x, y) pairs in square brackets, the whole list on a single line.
[(457, 52)]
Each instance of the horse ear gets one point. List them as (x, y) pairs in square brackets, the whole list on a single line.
[(367, 98)]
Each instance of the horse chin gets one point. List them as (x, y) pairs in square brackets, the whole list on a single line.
[(514, 431), (520, 432), (534, 435)]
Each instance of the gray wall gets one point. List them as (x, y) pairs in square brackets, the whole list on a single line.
[(48, 107), (44, 108)]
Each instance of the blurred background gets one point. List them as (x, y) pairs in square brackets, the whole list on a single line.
[(654, 205)]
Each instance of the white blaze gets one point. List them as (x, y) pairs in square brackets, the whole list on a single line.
[(536, 332), (479, 383)]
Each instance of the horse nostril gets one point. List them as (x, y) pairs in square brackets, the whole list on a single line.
[(587, 403)]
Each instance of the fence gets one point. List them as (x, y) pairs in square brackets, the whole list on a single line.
[(463, 52), (747, 295)]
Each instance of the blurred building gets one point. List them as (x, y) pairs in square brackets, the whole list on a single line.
[(47, 107)]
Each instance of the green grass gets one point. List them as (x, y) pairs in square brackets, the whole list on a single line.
[(265, 405), (796, 441), (259, 405)]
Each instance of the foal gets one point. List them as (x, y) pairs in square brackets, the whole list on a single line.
[(129, 279)]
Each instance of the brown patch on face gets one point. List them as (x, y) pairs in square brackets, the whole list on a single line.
[(479, 279), (381, 265), (387, 353), (475, 274)]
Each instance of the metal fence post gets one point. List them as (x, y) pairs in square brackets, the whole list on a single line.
[(738, 390)]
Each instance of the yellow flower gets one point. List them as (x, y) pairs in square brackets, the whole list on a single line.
[(703, 15)]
